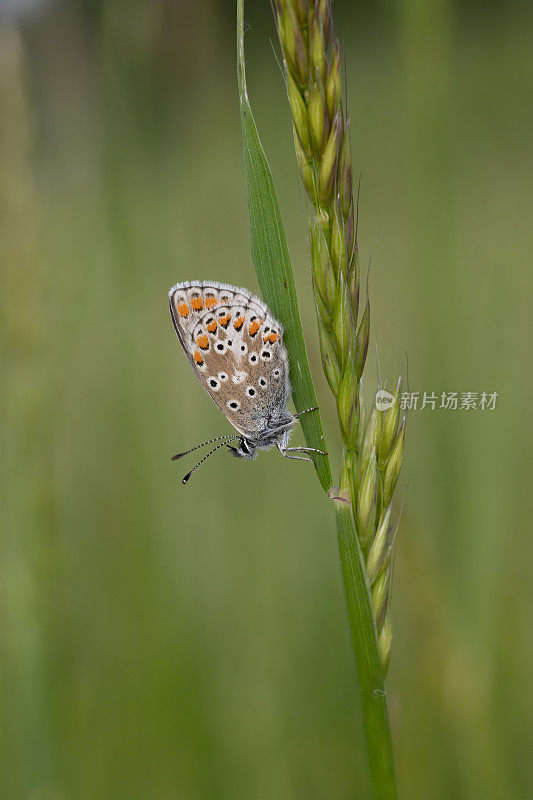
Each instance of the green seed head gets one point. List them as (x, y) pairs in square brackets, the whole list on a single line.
[(347, 402), (339, 254), (353, 286), (381, 546), (349, 227), (345, 173), (299, 115), (371, 438), (362, 417), (385, 642), (306, 167), (394, 465), (323, 276), (328, 167), (322, 311), (322, 12), (389, 428), (330, 363), (322, 218), (294, 46), (347, 468), (317, 46), (366, 502), (342, 320), (361, 342), (380, 595), (333, 82), (318, 117), (301, 9)]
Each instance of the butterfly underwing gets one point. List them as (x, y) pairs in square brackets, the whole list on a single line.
[(236, 349)]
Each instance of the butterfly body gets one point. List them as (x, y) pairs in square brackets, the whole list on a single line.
[(235, 347)]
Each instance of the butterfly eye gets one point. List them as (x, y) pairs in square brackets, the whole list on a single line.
[(262, 382), (233, 404), (253, 358), (244, 348), (250, 391), (276, 373), (214, 385), (265, 355), (221, 347), (222, 377)]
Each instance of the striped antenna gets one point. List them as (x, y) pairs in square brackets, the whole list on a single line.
[(216, 439), (185, 479)]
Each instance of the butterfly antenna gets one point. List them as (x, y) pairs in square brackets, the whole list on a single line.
[(185, 479), (216, 439)]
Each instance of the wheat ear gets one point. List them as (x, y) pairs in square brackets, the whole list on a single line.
[(374, 439)]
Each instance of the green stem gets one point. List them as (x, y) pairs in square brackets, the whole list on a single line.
[(274, 272), (372, 694)]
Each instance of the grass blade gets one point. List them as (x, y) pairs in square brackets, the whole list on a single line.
[(270, 255)]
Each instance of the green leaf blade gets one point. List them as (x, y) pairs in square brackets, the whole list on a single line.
[(270, 255)]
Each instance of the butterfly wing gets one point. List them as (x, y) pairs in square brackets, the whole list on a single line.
[(236, 349)]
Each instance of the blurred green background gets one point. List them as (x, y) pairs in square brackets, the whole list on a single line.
[(161, 642)]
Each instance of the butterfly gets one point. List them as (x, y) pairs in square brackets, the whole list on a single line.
[(235, 347)]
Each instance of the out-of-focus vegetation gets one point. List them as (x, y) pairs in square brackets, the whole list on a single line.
[(159, 641)]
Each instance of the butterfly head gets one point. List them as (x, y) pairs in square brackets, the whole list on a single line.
[(274, 434), (246, 449)]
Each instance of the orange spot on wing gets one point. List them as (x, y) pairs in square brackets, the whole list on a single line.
[(210, 301), (203, 341), (254, 327), (212, 326), (198, 357), (239, 322), (197, 303), (183, 310), (224, 321), (272, 337)]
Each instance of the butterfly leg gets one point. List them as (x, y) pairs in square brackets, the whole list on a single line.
[(305, 450), (305, 411), (296, 458), (283, 451)]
